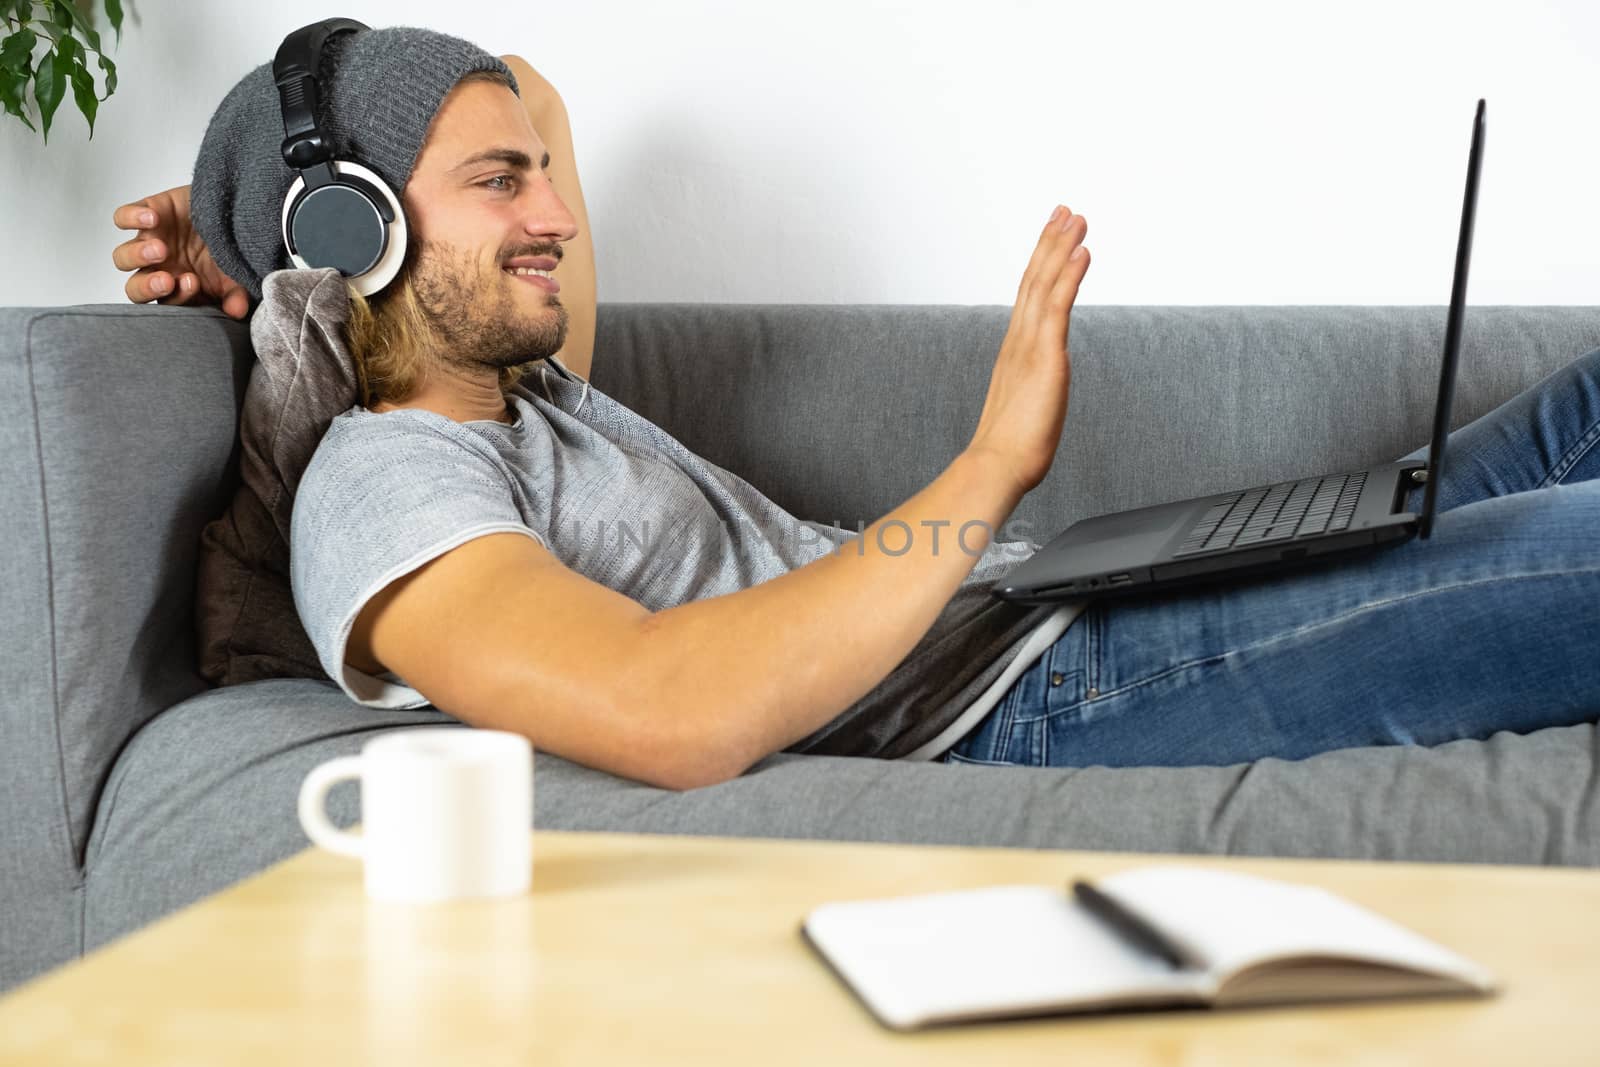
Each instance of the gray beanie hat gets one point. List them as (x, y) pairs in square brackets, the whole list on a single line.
[(377, 92)]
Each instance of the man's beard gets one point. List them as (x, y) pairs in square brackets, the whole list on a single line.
[(480, 324)]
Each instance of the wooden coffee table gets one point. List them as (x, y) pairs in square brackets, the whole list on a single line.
[(645, 949)]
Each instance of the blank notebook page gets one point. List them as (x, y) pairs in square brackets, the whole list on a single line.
[(1232, 920), (973, 952)]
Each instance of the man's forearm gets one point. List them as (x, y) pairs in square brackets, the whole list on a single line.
[(576, 270), (548, 112), (736, 677)]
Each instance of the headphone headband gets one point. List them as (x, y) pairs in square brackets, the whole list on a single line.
[(337, 213), (294, 70)]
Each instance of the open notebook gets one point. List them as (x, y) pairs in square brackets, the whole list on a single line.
[(1028, 949)]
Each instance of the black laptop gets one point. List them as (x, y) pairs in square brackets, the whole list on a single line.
[(1263, 529)]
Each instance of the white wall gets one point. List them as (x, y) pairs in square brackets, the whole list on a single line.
[(876, 152)]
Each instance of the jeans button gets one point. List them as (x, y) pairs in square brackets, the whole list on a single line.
[(1091, 694), (1056, 678)]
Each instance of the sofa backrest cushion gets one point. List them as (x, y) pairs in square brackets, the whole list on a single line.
[(844, 411), (116, 434)]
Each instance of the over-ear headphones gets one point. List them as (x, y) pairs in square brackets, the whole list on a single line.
[(337, 213)]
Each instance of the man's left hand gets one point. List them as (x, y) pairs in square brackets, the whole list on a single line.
[(170, 261)]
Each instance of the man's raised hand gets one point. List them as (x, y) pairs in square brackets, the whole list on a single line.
[(171, 263), (1020, 425)]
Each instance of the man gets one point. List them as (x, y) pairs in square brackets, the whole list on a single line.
[(439, 552)]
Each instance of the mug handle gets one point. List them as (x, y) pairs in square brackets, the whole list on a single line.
[(313, 798)]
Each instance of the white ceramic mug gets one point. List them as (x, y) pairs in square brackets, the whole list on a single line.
[(447, 812)]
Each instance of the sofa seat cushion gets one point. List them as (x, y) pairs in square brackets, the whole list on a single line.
[(206, 793)]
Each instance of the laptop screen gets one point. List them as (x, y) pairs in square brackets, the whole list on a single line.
[(1452, 329)]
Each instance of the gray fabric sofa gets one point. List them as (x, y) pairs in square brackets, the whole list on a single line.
[(130, 788)]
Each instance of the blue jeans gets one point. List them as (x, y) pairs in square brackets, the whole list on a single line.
[(1491, 624)]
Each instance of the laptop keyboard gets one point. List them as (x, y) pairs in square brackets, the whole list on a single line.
[(1276, 513)]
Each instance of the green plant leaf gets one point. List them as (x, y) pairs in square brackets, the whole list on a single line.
[(83, 93), (22, 9), (75, 20), (49, 83), (13, 89), (114, 13), (86, 28), (16, 49), (69, 47), (111, 74)]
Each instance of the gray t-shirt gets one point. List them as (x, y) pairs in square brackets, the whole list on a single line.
[(620, 501)]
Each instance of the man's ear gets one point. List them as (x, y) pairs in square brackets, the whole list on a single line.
[(413, 209)]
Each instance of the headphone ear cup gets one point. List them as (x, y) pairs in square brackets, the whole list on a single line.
[(344, 218)]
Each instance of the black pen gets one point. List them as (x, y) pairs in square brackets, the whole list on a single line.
[(1127, 923)]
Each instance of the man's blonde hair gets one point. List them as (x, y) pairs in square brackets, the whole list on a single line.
[(390, 339)]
